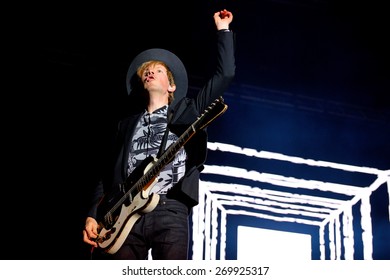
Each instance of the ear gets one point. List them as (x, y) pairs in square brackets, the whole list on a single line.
[(171, 88)]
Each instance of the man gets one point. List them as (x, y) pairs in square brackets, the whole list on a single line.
[(140, 215)]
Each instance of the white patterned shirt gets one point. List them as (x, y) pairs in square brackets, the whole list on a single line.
[(146, 141)]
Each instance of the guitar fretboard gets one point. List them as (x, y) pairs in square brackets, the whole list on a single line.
[(201, 122)]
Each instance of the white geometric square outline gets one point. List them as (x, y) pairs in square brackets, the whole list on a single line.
[(333, 217)]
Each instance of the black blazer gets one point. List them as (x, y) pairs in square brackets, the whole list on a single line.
[(184, 114)]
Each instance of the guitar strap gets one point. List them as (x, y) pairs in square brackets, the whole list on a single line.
[(164, 140)]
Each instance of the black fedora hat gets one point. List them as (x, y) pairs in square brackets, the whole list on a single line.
[(170, 59)]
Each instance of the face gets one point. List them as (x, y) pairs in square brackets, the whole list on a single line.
[(155, 78)]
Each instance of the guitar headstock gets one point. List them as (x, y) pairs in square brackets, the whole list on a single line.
[(214, 110)]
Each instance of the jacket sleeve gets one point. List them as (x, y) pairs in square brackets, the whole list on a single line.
[(96, 196), (107, 181), (224, 72)]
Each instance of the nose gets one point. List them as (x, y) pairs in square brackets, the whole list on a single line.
[(149, 72)]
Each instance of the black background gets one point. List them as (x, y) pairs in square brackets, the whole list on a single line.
[(71, 61)]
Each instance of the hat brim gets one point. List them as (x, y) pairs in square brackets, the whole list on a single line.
[(170, 59)]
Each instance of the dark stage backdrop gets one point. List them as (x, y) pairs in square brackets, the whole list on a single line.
[(312, 81)]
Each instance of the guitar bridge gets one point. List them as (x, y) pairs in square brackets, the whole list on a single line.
[(106, 236)]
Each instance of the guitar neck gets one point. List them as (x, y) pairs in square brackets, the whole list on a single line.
[(165, 158), (209, 115)]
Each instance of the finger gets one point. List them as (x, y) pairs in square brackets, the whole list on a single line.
[(87, 239)]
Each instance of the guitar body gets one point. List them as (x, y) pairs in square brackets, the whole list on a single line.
[(111, 239), (112, 235)]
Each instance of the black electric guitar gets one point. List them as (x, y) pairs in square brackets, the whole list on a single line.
[(117, 214)]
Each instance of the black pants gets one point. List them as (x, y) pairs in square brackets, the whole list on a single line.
[(164, 230)]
